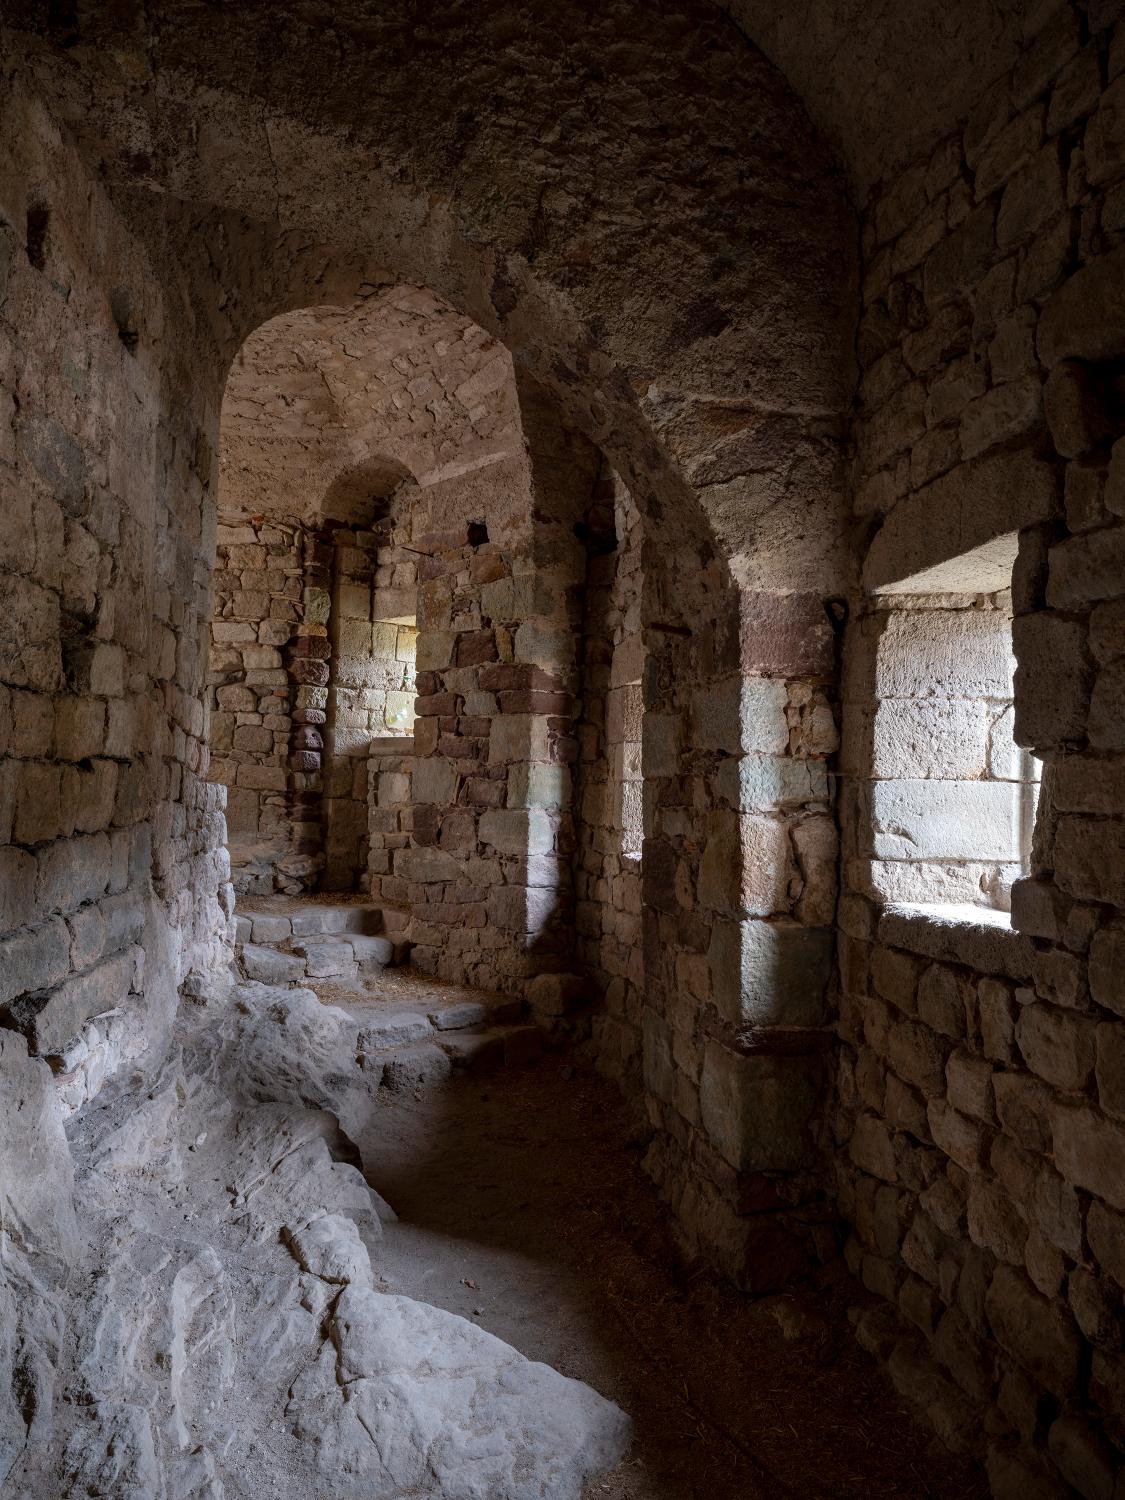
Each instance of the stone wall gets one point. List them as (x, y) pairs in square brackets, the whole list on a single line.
[(610, 814), (113, 876), (929, 707), (258, 599), (487, 875), (979, 1118), (371, 679), (305, 670), (390, 813), (739, 895)]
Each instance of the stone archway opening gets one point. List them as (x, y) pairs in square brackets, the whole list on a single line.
[(336, 422)]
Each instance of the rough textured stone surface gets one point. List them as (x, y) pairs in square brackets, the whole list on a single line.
[(268, 1306), (678, 670)]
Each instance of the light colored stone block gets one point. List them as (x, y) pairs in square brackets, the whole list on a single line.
[(538, 784), (743, 714), (426, 865), (514, 737), (517, 830), (764, 783), (745, 866), (269, 966), (922, 820), (930, 737), (433, 780), (949, 654), (770, 973)]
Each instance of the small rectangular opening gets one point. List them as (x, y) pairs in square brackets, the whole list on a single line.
[(954, 798)]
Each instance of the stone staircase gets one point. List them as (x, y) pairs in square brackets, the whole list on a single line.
[(321, 941), (410, 1049), (412, 1038)]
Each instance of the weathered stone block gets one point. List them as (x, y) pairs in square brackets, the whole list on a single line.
[(538, 785), (959, 1137), (1002, 414), (1076, 412), (997, 1011), (995, 1222), (742, 714), (1105, 135), (930, 737), (1085, 318), (973, 504), (916, 820), (745, 865), (1090, 1151), (1038, 1334), (767, 783), (1051, 684), (970, 1085), (50, 1021), (269, 966), (72, 871), (17, 888), (1090, 859), (1057, 1045), (770, 973), (558, 994), (34, 960), (518, 737), (426, 866), (1106, 725), (871, 1148), (1107, 968), (1084, 569), (660, 745), (785, 635), (523, 909), (757, 1110), (517, 830)]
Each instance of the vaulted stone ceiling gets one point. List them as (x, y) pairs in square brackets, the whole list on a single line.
[(883, 80), (399, 383)]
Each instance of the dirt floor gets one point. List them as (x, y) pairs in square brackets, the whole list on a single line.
[(522, 1205)]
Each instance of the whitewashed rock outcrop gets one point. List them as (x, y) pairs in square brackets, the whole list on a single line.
[(220, 1330)]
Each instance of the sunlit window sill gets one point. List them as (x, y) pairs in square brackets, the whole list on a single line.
[(976, 936)]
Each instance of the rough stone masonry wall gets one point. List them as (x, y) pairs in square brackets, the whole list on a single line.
[(487, 872), (714, 385), (607, 857), (981, 1111), (738, 875), (301, 680), (390, 814), (112, 871), (258, 586), (929, 698), (371, 680)]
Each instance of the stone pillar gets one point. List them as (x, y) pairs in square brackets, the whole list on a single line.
[(488, 872), (608, 806), (307, 664), (739, 868)]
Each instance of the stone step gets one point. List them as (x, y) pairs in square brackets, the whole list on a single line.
[(375, 943), (311, 921), (336, 956), (413, 1065), (415, 1025)]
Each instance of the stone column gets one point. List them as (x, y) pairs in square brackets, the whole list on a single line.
[(307, 664), (488, 872)]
